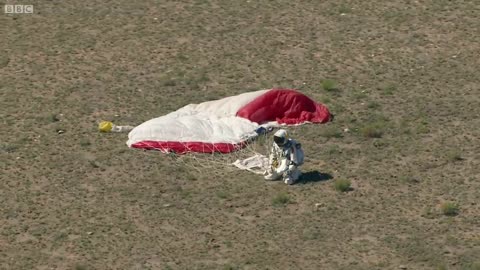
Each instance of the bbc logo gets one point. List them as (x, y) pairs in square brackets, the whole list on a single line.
[(19, 9)]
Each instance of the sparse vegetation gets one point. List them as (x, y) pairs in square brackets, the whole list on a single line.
[(450, 209), (329, 85), (408, 179), (281, 199), (422, 126), (9, 148), (203, 78), (4, 60), (373, 130), (389, 90), (81, 267), (409, 85), (344, 9), (333, 150), (94, 164), (359, 95), (342, 185), (474, 266), (169, 82), (54, 118), (230, 267), (373, 105), (429, 213), (85, 142), (331, 132), (442, 267), (454, 155), (221, 194), (191, 177)]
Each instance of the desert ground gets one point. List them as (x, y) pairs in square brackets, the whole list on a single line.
[(401, 77)]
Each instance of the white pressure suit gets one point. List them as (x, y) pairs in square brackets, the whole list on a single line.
[(283, 160)]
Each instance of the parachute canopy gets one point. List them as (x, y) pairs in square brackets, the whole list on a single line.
[(227, 124)]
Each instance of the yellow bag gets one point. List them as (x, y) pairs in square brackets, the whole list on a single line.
[(105, 126)]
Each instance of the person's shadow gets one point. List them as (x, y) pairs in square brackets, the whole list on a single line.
[(314, 176)]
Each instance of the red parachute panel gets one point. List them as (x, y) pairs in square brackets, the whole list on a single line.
[(285, 106)]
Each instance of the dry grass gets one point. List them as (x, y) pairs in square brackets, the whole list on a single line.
[(408, 72)]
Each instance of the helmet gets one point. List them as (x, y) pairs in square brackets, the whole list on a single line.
[(280, 137)]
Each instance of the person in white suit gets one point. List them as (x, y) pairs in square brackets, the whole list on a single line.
[(286, 156)]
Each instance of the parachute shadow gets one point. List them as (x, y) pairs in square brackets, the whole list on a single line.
[(314, 176)]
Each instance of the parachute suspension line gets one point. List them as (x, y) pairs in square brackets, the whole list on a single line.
[(213, 162)]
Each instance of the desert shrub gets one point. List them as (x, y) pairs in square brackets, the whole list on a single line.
[(281, 199), (373, 130), (450, 209), (331, 132), (329, 85), (342, 185)]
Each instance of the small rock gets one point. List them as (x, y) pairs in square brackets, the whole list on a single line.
[(346, 130), (60, 131), (318, 205), (402, 267), (167, 205), (89, 233)]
